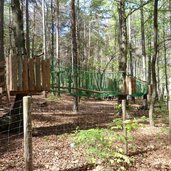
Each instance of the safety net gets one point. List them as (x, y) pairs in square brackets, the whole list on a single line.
[(91, 82)]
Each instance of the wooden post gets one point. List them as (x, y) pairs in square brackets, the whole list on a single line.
[(170, 120), (27, 133), (124, 125)]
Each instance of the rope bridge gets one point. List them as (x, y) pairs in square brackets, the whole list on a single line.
[(95, 83)]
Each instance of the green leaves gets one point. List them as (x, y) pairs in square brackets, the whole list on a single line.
[(102, 144)]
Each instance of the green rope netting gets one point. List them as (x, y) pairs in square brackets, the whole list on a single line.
[(141, 88), (99, 83)]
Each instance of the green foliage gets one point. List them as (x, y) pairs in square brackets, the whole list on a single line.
[(53, 98), (105, 145), (100, 145), (130, 125), (118, 107)]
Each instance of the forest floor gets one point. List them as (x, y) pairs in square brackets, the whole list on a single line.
[(54, 124)]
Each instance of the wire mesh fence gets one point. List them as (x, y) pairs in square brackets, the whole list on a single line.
[(11, 137), (61, 140), (54, 129)]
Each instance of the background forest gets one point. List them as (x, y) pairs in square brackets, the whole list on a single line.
[(93, 47), (48, 32)]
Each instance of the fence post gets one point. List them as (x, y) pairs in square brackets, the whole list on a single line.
[(124, 125), (170, 120), (27, 133)]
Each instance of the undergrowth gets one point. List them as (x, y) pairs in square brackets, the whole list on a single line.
[(105, 146)]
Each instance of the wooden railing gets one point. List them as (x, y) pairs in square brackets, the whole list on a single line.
[(28, 75)]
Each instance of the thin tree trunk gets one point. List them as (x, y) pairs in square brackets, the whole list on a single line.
[(158, 78), (130, 46), (44, 29), (122, 41), (2, 30), (149, 62), (34, 32), (153, 96), (52, 42), (2, 58), (44, 36), (165, 66), (57, 45), (143, 53), (52, 32), (27, 30), (143, 42), (75, 60)]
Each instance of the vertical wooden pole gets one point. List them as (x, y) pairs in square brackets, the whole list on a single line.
[(27, 133), (124, 125), (170, 120)]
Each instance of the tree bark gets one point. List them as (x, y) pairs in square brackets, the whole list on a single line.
[(158, 78), (130, 47), (57, 44), (153, 96), (122, 41), (2, 30), (44, 29), (165, 66), (12, 121), (75, 60), (27, 30), (149, 62), (143, 42), (33, 33)]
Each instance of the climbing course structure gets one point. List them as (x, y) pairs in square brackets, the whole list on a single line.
[(27, 76), (96, 83)]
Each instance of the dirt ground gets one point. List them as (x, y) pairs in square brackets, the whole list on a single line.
[(53, 150)]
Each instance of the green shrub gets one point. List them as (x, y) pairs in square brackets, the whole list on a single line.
[(106, 145)]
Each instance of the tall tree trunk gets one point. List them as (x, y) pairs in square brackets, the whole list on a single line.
[(27, 30), (84, 43), (75, 60), (145, 106), (44, 37), (12, 121), (149, 62), (18, 35), (33, 32), (44, 29), (2, 58), (143, 42), (158, 78), (122, 41), (52, 43), (18, 28), (153, 96), (57, 45), (2, 30), (130, 47), (165, 66)]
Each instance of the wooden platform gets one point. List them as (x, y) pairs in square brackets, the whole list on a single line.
[(28, 76)]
